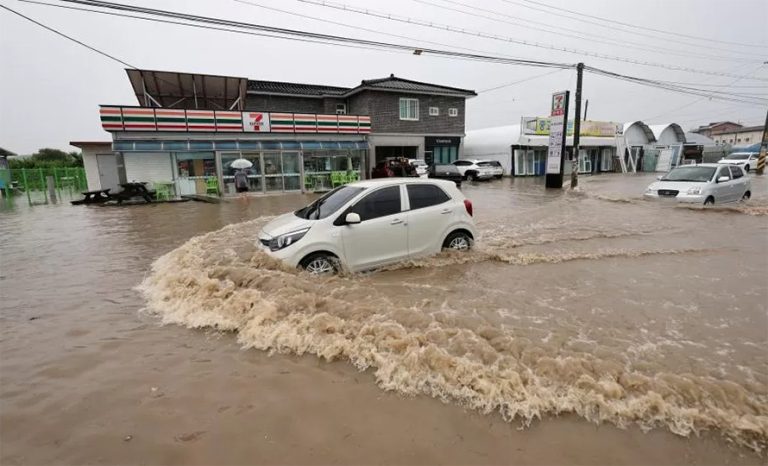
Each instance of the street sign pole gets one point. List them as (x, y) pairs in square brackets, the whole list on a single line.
[(577, 128), (557, 132), (763, 148)]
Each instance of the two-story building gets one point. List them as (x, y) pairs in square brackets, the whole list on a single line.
[(189, 128)]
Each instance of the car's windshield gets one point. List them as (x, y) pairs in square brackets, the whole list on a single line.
[(484, 164), (329, 203), (738, 156), (696, 174)]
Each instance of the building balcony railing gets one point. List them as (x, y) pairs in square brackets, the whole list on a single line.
[(121, 118)]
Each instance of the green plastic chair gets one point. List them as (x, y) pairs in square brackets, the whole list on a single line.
[(163, 191), (212, 186), (337, 179), (352, 177), (309, 182)]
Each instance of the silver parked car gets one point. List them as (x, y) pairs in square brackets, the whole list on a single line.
[(706, 183)]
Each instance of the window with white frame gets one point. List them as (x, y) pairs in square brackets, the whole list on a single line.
[(341, 109), (453, 112), (409, 109), (434, 111)]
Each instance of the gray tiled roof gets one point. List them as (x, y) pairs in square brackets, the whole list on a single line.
[(390, 83), (399, 84), (278, 87)]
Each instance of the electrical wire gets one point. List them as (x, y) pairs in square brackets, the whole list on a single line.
[(351, 26), (581, 35), (490, 89), (614, 21), (59, 33), (454, 29), (332, 40)]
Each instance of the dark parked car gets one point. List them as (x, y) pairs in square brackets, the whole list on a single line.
[(445, 172)]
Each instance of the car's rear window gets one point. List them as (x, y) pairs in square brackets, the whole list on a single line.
[(425, 195), (489, 164)]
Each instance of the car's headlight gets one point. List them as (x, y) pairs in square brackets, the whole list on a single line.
[(650, 191), (283, 241), (695, 190)]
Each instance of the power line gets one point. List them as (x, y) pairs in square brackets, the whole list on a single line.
[(634, 26), (719, 95), (59, 33), (351, 26), (697, 100), (328, 38), (347, 41), (581, 35), (454, 29), (199, 26), (490, 89)]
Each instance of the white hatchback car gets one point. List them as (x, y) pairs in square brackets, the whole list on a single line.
[(371, 223), (747, 160), (706, 183)]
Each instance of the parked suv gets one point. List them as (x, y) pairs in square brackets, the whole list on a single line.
[(747, 160), (494, 165), (470, 170), (372, 223)]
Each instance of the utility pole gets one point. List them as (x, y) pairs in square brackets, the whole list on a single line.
[(763, 148), (576, 128), (586, 108)]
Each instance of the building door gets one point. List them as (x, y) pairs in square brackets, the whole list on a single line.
[(108, 176)]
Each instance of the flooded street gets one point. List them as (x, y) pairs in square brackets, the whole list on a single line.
[(586, 327)]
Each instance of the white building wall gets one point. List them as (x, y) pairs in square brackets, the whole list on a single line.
[(91, 170), (148, 167)]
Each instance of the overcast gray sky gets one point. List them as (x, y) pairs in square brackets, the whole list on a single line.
[(50, 88)]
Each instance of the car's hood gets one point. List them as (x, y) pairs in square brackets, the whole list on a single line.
[(283, 224), (733, 161), (675, 185)]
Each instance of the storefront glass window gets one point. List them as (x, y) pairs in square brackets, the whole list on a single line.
[(192, 169), (228, 172), (325, 169)]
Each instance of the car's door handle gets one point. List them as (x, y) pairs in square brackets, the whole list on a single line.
[(446, 211), (396, 221)]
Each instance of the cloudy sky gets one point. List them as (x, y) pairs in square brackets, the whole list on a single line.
[(50, 88)]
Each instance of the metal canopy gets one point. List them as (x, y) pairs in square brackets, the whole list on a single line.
[(187, 90)]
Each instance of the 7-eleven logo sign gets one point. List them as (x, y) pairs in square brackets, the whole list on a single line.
[(256, 122)]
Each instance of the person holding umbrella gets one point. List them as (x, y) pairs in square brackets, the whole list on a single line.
[(241, 177)]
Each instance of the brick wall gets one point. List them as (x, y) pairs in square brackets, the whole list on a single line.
[(275, 103), (384, 108)]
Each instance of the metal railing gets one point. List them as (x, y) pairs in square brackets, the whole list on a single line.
[(34, 179)]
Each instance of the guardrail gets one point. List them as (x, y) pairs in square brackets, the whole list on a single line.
[(121, 118)]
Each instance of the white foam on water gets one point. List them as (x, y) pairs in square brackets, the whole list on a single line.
[(221, 280)]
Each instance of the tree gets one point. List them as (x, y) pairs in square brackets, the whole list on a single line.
[(48, 157)]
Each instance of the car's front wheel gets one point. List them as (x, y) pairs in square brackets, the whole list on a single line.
[(746, 196), (458, 240), (746, 168), (709, 201), (320, 263), (471, 176)]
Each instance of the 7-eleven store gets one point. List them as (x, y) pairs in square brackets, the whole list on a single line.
[(189, 148)]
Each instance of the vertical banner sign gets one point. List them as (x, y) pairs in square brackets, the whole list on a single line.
[(256, 122), (557, 133)]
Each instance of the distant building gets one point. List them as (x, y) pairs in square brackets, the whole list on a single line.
[(717, 127), (743, 136)]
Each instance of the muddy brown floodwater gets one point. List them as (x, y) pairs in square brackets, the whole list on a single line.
[(587, 327)]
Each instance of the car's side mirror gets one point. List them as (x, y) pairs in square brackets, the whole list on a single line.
[(352, 218), (722, 179), (659, 177)]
